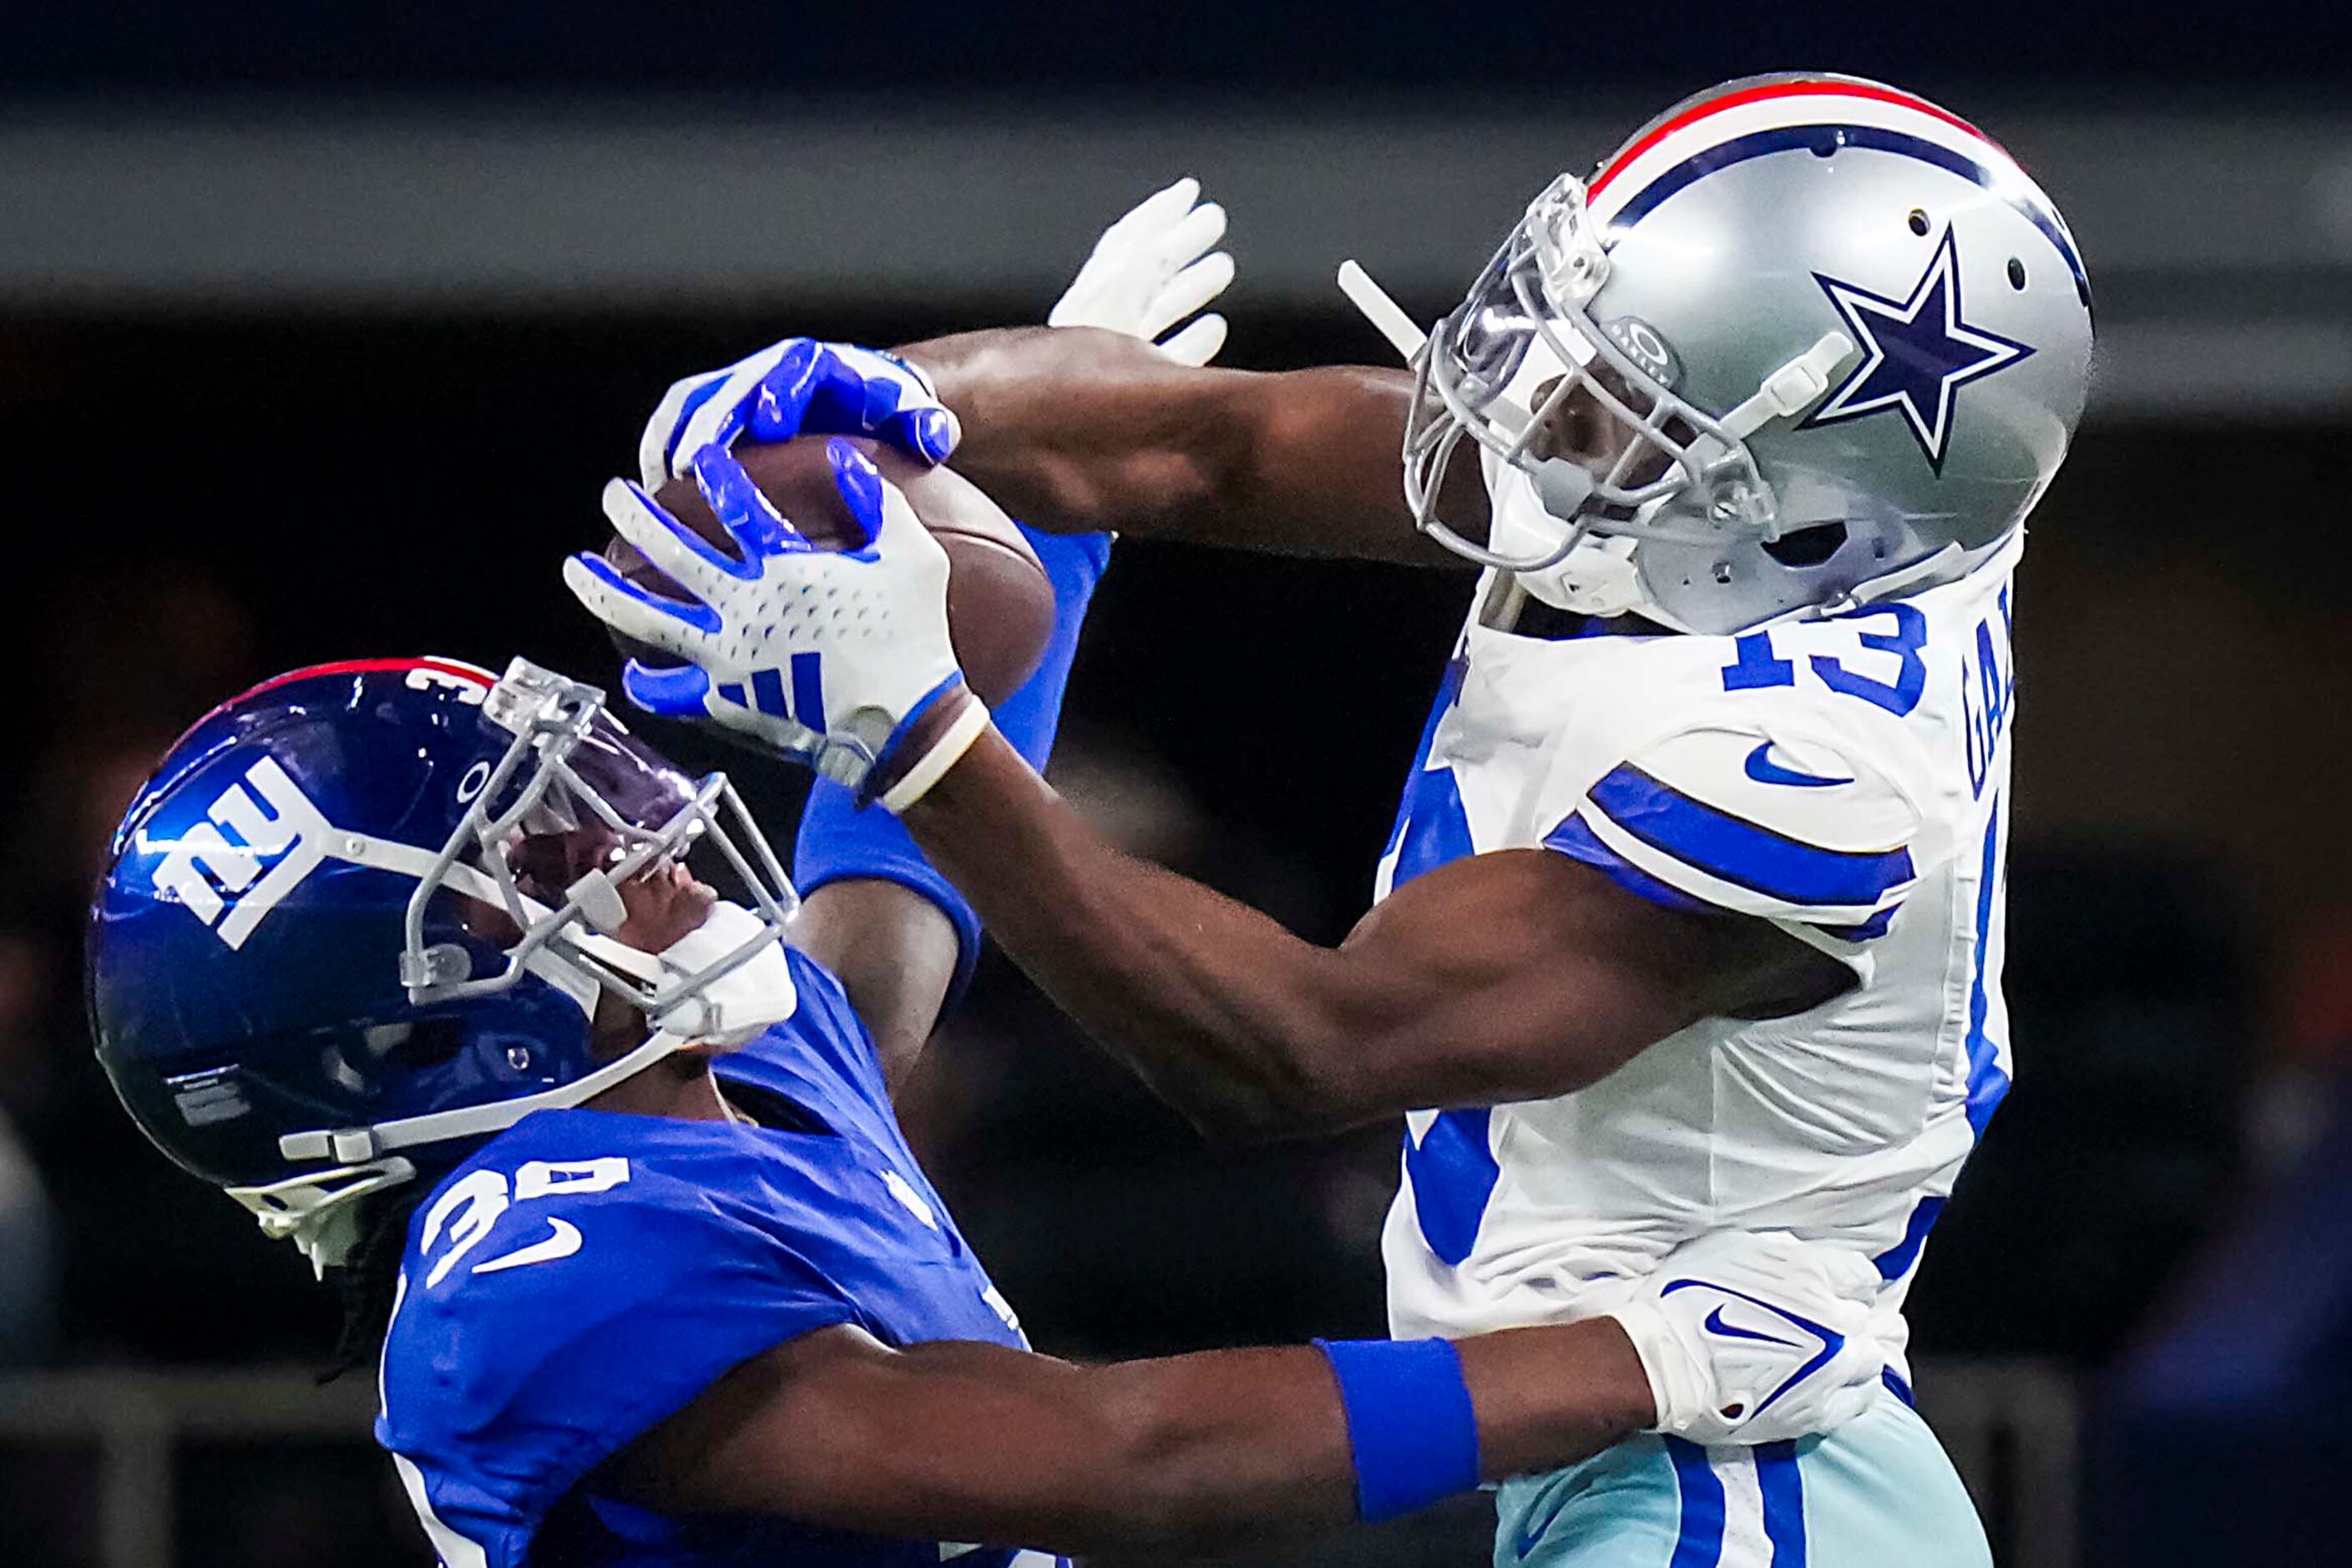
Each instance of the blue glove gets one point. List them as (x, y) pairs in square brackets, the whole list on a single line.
[(798, 386)]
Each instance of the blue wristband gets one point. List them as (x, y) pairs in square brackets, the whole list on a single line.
[(1074, 564), (1409, 1422), (840, 841)]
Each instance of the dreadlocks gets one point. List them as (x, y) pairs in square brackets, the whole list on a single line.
[(367, 1280)]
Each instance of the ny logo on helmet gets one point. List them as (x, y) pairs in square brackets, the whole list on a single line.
[(279, 838)]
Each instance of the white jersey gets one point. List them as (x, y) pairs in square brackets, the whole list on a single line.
[(1845, 779)]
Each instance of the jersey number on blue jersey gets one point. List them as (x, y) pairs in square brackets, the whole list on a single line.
[(471, 1208)]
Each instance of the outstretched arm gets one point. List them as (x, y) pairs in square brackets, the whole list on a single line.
[(1510, 975), (1513, 975), (972, 1442), (1103, 419), (980, 1443), (1072, 428)]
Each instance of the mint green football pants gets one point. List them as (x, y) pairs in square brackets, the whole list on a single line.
[(1877, 1493)]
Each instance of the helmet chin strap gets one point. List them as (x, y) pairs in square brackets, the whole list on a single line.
[(754, 993), (318, 1211), (1791, 389)]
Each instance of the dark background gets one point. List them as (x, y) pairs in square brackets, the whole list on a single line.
[(199, 496), (1060, 46)]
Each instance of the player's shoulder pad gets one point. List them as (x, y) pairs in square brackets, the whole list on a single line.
[(560, 1297), (1733, 815)]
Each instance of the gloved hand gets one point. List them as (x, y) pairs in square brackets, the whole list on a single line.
[(837, 658), (789, 387), (1754, 1337), (1150, 270)]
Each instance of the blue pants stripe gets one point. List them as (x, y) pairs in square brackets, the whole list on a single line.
[(1700, 1542), (1784, 1502)]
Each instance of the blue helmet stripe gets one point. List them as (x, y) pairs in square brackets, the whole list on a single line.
[(1760, 143), (1732, 849)]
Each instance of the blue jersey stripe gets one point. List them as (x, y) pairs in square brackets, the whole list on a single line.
[(1448, 688), (1760, 143), (1986, 1083), (1434, 828), (1784, 1502), (1733, 849), (1699, 1542), (1575, 839), (1897, 1260), (1453, 1172), (1876, 926)]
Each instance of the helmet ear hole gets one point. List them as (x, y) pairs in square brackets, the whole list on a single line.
[(428, 1043), (1808, 546)]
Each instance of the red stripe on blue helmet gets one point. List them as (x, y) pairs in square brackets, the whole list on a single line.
[(449, 667)]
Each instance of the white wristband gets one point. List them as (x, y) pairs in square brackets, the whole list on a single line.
[(933, 765)]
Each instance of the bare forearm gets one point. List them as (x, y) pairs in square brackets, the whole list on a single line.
[(1074, 430), (1517, 975), (968, 1442), (895, 954), (1217, 1007), (1239, 1443)]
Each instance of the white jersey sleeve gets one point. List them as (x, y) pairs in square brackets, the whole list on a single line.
[(1732, 813)]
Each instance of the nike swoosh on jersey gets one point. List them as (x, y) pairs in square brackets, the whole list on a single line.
[(563, 1243), (1764, 770), (1715, 1325)]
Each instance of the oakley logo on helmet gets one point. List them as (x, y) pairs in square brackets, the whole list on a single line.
[(1645, 348), (1917, 353), (278, 840)]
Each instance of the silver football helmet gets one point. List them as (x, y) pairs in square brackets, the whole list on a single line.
[(1802, 344)]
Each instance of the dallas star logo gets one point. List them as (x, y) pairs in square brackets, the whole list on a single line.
[(1918, 353)]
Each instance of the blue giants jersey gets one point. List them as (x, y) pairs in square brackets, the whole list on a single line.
[(586, 1274)]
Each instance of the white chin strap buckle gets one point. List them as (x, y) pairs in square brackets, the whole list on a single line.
[(1791, 389)]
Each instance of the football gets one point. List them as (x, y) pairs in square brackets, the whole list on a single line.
[(1000, 601)]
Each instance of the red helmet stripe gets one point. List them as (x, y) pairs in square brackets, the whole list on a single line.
[(344, 667), (1777, 90), (369, 667)]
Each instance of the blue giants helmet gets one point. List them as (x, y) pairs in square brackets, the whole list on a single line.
[(361, 918)]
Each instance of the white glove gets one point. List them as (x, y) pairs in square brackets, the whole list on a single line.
[(791, 388), (1756, 1337), (1151, 269), (1148, 271), (829, 657)]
